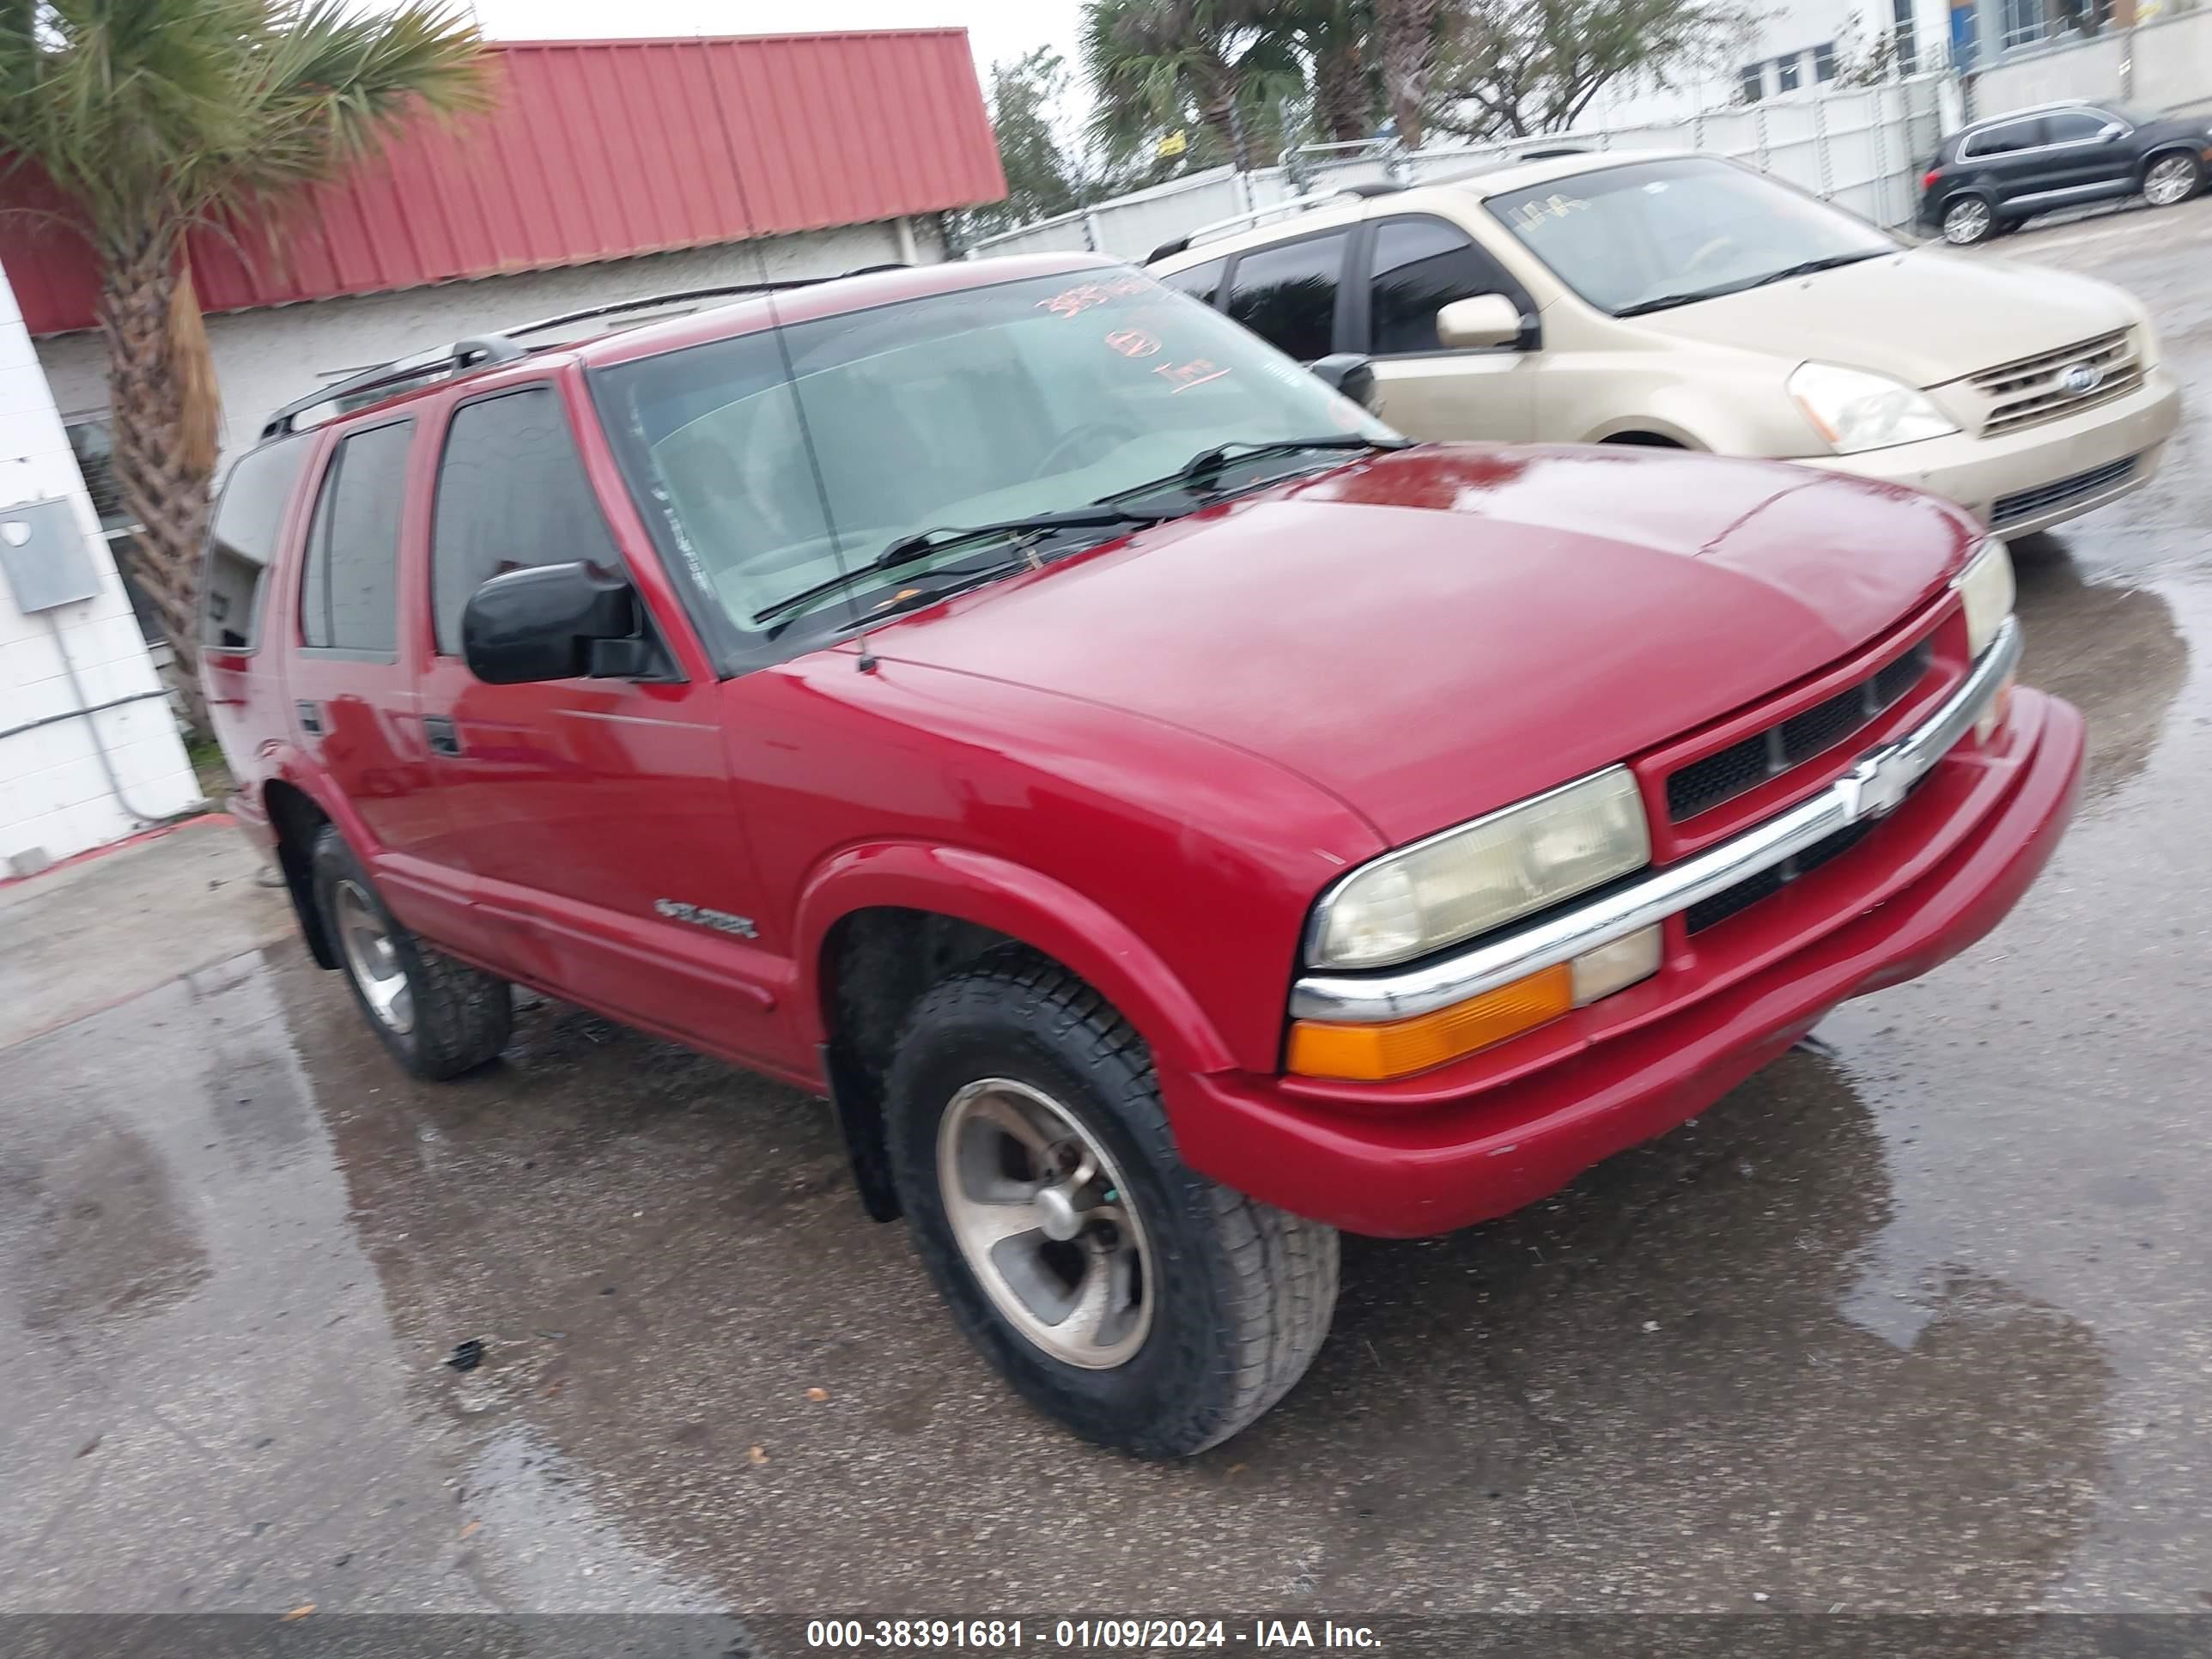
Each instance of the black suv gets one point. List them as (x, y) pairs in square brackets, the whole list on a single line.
[(1992, 176)]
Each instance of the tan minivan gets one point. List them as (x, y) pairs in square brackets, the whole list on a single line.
[(1688, 300)]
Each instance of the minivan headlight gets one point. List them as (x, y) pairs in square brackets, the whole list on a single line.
[(1985, 586), (1483, 875), (1854, 410)]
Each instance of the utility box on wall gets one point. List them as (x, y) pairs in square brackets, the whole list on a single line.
[(44, 557)]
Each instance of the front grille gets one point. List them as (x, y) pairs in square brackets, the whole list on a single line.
[(2029, 391), (1741, 766), (2030, 503), (1731, 901)]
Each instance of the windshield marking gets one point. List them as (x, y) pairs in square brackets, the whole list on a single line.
[(1187, 375)]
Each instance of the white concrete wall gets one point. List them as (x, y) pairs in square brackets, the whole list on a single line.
[(55, 796), (2173, 68), (265, 358), (1790, 28)]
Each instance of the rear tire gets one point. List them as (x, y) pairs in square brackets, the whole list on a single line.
[(1968, 219), (1209, 1305), (437, 1017), (2170, 181)]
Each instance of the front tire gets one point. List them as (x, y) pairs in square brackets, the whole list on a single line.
[(437, 1017), (1968, 219), (1143, 1306), (2172, 179)]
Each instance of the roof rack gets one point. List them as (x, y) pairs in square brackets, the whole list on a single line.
[(1551, 152), (1250, 221), (501, 346)]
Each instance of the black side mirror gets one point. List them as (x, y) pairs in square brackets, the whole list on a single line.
[(556, 622), (1350, 373)]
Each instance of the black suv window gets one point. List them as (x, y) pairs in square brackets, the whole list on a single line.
[(512, 495), (2004, 139), (1201, 282), (243, 540), (1422, 265), (2074, 127), (350, 592), (1287, 294)]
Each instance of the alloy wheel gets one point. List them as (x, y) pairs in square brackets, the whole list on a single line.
[(372, 960), (1967, 220), (1045, 1223), (2169, 181)]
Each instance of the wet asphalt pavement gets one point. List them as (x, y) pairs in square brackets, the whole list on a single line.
[(1920, 1318)]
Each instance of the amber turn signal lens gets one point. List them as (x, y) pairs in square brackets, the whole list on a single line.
[(1400, 1047)]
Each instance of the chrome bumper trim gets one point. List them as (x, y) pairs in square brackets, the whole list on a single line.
[(1870, 789)]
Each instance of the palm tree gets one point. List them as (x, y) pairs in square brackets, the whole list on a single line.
[(1408, 46), (157, 117), (1153, 63), (1331, 35)]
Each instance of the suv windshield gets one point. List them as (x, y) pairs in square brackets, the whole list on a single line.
[(986, 406), (1651, 234)]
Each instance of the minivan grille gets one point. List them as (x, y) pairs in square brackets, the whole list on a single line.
[(1743, 766), (2029, 391), (2028, 504)]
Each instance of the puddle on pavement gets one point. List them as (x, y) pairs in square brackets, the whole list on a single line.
[(208, 1407)]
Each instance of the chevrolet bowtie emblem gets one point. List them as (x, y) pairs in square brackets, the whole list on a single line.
[(1878, 782)]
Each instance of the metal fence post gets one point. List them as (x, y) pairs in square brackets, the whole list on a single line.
[(1821, 163)]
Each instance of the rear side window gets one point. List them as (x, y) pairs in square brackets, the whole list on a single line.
[(1421, 265), (1201, 282), (1287, 294), (511, 495), (243, 540), (350, 591), (2004, 139)]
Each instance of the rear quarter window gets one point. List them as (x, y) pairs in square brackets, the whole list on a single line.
[(242, 542)]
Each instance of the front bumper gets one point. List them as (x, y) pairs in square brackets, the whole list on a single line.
[(1487, 1136), (1978, 472)]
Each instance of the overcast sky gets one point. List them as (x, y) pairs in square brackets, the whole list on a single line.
[(996, 28)]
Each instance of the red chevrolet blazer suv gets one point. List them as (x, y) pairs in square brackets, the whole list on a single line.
[(1170, 816)]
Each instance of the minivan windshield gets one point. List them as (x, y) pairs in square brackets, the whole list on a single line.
[(1649, 235), (986, 406)]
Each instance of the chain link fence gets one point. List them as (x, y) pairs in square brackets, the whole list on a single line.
[(1862, 149)]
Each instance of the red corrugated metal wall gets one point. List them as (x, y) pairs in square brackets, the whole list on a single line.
[(599, 149)]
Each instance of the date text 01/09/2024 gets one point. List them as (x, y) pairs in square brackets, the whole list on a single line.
[(1083, 1635)]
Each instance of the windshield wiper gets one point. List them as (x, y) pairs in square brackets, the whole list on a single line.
[(912, 548), (1808, 267), (1201, 467), (1667, 301), (1805, 268)]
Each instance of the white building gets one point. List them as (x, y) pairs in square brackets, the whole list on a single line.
[(88, 748)]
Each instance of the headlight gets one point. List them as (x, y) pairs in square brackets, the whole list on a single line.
[(1856, 410), (1986, 586), (1483, 875)]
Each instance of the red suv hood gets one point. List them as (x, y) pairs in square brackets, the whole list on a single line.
[(1434, 634)]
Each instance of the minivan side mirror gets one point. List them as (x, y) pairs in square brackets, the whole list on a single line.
[(1350, 373), (1486, 320), (554, 621)]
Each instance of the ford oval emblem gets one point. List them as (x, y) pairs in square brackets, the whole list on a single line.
[(2079, 380)]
